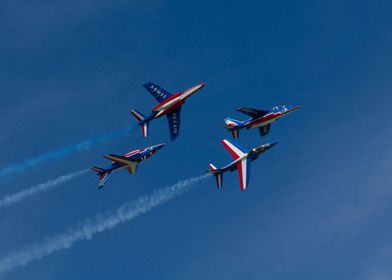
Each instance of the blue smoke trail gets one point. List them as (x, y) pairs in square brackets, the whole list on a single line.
[(64, 152)]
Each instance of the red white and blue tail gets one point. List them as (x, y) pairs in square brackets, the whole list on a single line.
[(218, 175), (102, 174), (143, 124), (233, 126)]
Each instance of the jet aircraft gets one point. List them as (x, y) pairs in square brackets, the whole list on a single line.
[(242, 159), (128, 161), (260, 119), (169, 105)]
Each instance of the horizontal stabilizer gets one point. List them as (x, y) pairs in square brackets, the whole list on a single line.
[(212, 167), (98, 170), (139, 116)]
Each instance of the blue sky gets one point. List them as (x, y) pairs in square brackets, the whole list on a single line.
[(319, 202)]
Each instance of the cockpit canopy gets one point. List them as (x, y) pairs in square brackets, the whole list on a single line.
[(280, 108)]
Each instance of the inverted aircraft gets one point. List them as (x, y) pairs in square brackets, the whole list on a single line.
[(169, 105), (128, 161), (242, 159), (260, 119)]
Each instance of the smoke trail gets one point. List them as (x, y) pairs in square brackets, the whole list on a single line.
[(16, 197), (100, 223), (64, 152)]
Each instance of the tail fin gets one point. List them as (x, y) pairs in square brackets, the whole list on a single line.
[(233, 126), (235, 133), (218, 175), (103, 175), (143, 124)]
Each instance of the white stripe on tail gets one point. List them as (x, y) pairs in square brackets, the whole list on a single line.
[(144, 125), (218, 175)]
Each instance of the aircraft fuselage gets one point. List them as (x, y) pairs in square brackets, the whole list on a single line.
[(269, 118), (174, 102), (136, 155)]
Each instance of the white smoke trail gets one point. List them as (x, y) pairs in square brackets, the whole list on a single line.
[(100, 223), (64, 152), (16, 197)]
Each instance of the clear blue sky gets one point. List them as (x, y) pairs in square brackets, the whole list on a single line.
[(318, 206)]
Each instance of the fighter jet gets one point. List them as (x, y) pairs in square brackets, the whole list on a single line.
[(128, 161), (169, 105), (260, 119), (242, 159)]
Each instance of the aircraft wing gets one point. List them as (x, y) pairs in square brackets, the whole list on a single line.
[(159, 93), (243, 173), (132, 168), (235, 150), (131, 165), (174, 123), (254, 113), (264, 130)]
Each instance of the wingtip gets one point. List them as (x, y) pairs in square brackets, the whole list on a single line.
[(145, 85), (224, 141)]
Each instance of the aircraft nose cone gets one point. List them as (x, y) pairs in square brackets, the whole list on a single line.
[(294, 108), (159, 146), (273, 144), (202, 85)]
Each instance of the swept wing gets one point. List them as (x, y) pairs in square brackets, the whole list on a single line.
[(174, 123), (254, 113), (131, 166), (243, 165), (156, 91)]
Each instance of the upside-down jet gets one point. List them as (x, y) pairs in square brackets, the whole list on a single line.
[(128, 161), (169, 105), (242, 159), (260, 119)]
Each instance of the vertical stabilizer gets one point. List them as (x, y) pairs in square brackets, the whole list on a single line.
[(142, 122), (103, 175), (217, 174), (233, 126)]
